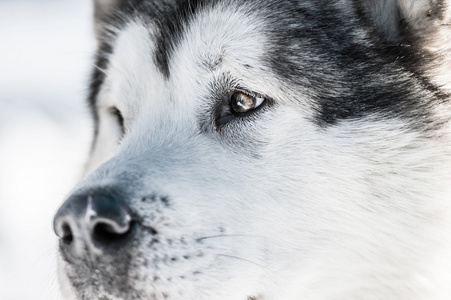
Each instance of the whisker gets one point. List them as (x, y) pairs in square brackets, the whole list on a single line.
[(100, 69), (223, 235), (243, 259)]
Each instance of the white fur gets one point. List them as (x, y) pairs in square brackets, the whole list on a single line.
[(360, 210)]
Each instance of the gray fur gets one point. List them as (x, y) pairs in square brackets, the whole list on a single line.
[(336, 186)]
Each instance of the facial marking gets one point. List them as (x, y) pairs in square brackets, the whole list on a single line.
[(268, 207)]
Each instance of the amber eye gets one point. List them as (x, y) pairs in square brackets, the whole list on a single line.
[(243, 103)]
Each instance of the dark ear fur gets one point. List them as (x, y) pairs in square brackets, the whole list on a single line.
[(423, 25), (102, 9), (401, 20)]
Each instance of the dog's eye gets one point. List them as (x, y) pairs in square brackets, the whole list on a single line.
[(239, 105), (119, 117), (243, 103)]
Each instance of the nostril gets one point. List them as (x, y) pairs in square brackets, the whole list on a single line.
[(94, 222), (109, 233), (67, 236)]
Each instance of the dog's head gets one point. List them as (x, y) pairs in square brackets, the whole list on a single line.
[(262, 150)]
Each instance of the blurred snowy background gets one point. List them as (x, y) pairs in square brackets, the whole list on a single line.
[(45, 55)]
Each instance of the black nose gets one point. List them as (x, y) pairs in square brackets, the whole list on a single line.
[(93, 223)]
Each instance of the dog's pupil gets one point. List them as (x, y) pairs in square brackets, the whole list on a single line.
[(242, 102)]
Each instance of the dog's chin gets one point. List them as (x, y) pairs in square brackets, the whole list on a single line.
[(93, 285), (104, 281), (104, 289), (129, 279)]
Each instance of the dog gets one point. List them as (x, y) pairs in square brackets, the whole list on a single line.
[(265, 150)]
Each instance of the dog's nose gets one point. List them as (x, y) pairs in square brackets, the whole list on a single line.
[(93, 223)]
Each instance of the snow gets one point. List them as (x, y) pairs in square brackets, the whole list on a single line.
[(45, 133)]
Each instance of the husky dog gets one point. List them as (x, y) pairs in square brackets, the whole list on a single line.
[(265, 150)]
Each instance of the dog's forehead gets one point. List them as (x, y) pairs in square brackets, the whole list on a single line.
[(212, 41), (220, 36)]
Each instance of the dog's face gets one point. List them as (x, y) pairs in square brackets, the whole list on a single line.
[(250, 151)]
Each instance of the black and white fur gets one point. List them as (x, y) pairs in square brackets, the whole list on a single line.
[(338, 186)]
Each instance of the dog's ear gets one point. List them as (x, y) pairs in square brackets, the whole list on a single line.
[(103, 9), (424, 26), (400, 20)]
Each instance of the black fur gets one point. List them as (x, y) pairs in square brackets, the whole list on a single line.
[(347, 70), (170, 27), (314, 47), (97, 78)]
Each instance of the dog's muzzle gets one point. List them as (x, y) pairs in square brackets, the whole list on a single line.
[(93, 225)]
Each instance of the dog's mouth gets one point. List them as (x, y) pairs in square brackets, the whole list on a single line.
[(153, 268), (145, 267)]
